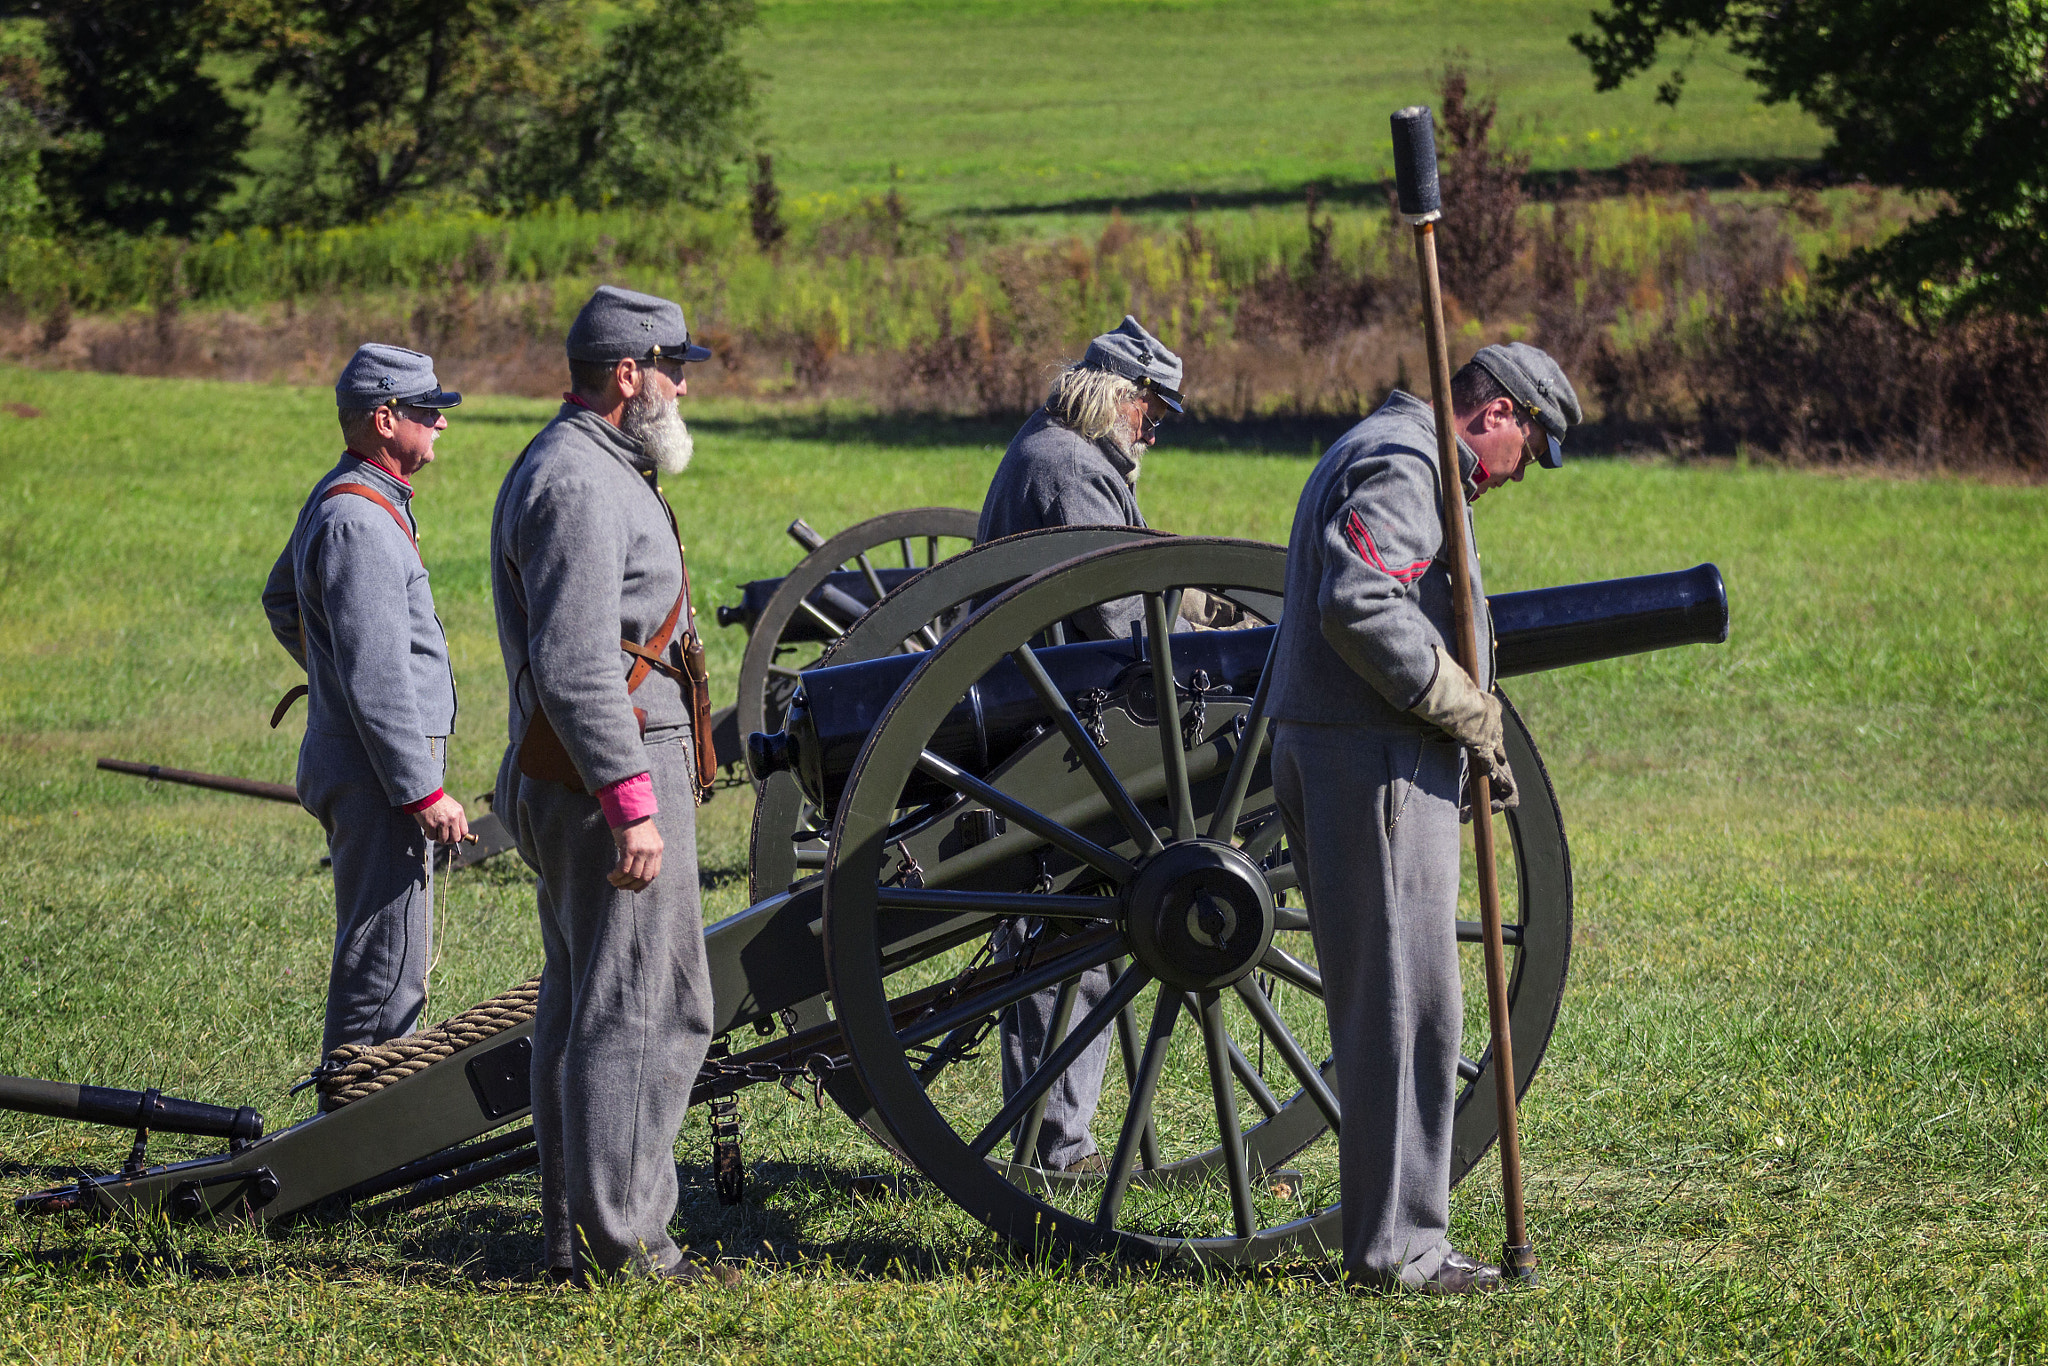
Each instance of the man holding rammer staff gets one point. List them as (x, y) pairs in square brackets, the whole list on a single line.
[(1372, 717)]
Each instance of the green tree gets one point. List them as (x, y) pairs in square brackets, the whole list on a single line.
[(25, 115), (147, 141), (1949, 99), (660, 116), (400, 99)]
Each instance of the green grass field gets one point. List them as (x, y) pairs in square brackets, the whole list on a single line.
[(1793, 1110), (1003, 105)]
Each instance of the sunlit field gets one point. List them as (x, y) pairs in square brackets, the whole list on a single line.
[(1791, 1110)]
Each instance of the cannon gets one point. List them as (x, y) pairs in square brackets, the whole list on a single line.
[(1112, 801), (830, 588)]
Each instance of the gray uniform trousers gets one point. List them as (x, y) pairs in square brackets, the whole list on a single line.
[(1063, 1135), (1372, 823), (383, 891), (623, 1023)]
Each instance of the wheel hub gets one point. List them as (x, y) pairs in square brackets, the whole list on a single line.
[(1199, 915)]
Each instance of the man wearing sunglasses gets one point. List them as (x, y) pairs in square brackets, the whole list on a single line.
[(1075, 462), (350, 599), (599, 785), (1372, 717)]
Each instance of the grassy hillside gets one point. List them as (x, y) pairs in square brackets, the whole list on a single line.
[(999, 105), (1792, 1111)]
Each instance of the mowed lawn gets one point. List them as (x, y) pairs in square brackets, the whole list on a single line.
[(1793, 1110), (1006, 104)]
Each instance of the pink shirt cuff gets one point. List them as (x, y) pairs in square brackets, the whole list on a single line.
[(414, 808), (627, 800)]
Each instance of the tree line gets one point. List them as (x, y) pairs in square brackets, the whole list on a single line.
[(122, 115)]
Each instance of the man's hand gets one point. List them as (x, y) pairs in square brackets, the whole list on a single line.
[(1505, 795), (444, 821), (1455, 705), (639, 855)]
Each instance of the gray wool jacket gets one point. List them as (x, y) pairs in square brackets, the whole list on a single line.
[(583, 555), (375, 656), (1368, 587), (1051, 475)]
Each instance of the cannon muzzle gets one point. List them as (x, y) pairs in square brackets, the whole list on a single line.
[(129, 1109), (1551, 628), (1547, 628)]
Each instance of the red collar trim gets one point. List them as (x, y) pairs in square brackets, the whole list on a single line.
[(578, 401), (381, 469)]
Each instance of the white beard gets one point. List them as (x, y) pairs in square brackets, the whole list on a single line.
[(659, 427)]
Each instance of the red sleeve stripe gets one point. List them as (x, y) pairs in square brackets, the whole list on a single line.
[(1361, 541)]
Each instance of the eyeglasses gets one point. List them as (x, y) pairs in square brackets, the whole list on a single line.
[(426, 417)]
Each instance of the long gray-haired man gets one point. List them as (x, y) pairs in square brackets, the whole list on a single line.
[(599, 783), (350, 600), (1372, 719), (1075, 462)]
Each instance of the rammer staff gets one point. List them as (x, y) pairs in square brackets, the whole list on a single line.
[(1421, 203)]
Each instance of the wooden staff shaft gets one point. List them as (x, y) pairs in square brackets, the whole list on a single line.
[(1520, 1260)]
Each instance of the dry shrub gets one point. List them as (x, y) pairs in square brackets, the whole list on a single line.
[(1482, 194)]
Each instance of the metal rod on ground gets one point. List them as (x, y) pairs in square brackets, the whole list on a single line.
[(1415, 174), (247, 787)]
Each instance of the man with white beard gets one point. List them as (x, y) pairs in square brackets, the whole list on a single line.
[(599, 783)]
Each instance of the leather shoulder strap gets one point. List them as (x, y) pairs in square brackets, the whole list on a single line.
[(365, 491), (647, 657)]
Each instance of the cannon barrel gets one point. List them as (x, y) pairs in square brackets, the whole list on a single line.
[(843, 596), (128, 1109), (1549, 628)]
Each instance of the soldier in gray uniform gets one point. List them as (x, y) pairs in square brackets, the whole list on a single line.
[(1372, 717), (600, 784), (1075, 463), (349, 598)]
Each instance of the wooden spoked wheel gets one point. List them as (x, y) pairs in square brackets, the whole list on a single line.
[(779, 649), (1153, 852), (788, 842)]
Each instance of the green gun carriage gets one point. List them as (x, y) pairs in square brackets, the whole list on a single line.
[(953, 762)]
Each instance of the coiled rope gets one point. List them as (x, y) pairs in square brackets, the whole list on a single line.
[(355, 1070)]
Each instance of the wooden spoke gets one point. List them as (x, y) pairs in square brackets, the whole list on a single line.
[(1045, 827), (1035, 1086), (1062, 1014), (1305, 1071), (819, 615), (1093, 951), (1224, 823), (1469, 932), (1167, 699), (1083, 745), (1230, 1134), (1138, 1114), (1127, 1044), (1287, 967)]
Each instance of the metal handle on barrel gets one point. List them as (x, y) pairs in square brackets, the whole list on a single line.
[(1421, 204)]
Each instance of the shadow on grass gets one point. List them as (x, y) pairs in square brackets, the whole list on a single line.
[(494, 1239), (1715, 173)]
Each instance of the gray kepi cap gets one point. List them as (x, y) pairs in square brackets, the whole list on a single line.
[(1140, 357), (619, 324), (1537, 383), (378, 374)]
